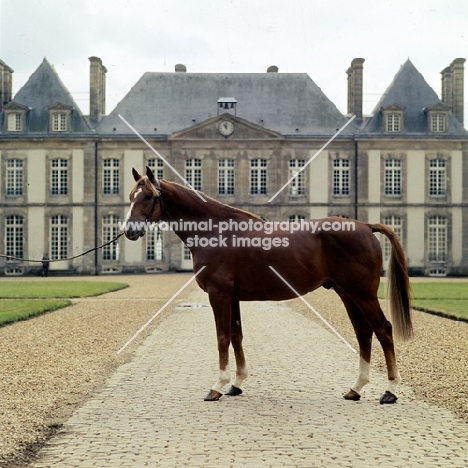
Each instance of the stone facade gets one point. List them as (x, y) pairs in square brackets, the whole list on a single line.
[(65, 177)]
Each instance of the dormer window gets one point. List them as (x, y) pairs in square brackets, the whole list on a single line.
[(15, 117), (437, 118), (14, 122), (59, 122), (59, 117), (438, 123), (393, 123), (392, 118)]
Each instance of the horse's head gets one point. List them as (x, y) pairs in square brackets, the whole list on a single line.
[(145, 199)]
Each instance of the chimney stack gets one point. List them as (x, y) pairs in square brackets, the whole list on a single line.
[(355, 86), (97, 88), (6, 84), (458, 72), (452, 87)]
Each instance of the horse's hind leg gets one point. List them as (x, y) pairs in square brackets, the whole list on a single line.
[(364, 333), (236, 341), (382, 328)]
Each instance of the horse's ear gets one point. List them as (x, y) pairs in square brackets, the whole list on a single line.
[(150, 175), (136, 176)]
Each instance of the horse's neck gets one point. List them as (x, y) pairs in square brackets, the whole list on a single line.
[(183, 204)]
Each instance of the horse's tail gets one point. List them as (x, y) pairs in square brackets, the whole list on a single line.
[(398, 286)]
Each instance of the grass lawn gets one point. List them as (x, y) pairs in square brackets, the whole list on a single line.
[(12, 310), (47, 289), (444, 298), (23, 299)]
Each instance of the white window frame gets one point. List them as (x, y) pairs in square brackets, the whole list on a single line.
[(58, 237), (341, 177), (393, 122), (193, 173), (438, 123), (392, 177), (59, 121), (437, 239), (14, 236), (155, 244), (14, 121), (59, 177), (226, 176), (396, 223), (297, 186), (157, 166), (111, 176), (14, 178), (258, 177), (437, 177), (110, 229)]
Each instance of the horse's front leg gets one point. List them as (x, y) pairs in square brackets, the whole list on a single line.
[(236, 340), (221, 305)]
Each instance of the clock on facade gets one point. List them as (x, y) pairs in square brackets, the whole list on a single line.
[(226, 128)]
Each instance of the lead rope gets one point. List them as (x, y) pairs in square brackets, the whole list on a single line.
[(63, 259)]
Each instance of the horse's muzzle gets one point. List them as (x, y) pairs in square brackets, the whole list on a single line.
[(133, 234)]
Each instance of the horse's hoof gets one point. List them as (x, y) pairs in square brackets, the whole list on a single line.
[(213, 395), (352, 395), (234, 391), (388, 398)]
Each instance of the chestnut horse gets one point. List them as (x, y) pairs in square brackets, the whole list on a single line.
[(238, 249)]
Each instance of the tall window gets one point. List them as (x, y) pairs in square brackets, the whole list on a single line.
[(438, 123), (111, 177), (14, 122), (110, 229), (14, 239), (154, 244), (258, 177), (341, 177), (59, 122), (157, 166), (59, 177), (393, 123), (393, 177), (437, 178), (226, 177), (14, 177), (396, 223), (297, 185), (437, 239), (58, 237), (193, 173)]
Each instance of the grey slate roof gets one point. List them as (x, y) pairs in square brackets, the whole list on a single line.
[(44, 88), (171, 102), (410, 89)]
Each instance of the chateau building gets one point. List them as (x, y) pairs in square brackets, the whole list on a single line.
[(238, 137)]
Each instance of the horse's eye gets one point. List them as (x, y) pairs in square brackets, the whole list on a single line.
[(148, 197)]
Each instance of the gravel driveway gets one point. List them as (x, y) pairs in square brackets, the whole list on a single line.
[(50, 364)]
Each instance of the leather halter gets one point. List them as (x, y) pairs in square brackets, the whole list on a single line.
[(155, 201)]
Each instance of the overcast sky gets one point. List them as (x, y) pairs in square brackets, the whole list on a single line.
[(319, 38)]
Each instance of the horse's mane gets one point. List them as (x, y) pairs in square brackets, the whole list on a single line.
[(191, 193)]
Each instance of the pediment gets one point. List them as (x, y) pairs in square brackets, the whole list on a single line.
[(394, 106), (237, 129), (440, 106), (60, 106), (15, 106)]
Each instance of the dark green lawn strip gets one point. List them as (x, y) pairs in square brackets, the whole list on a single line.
[(56, 289), (447, 299), (12, 310)]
